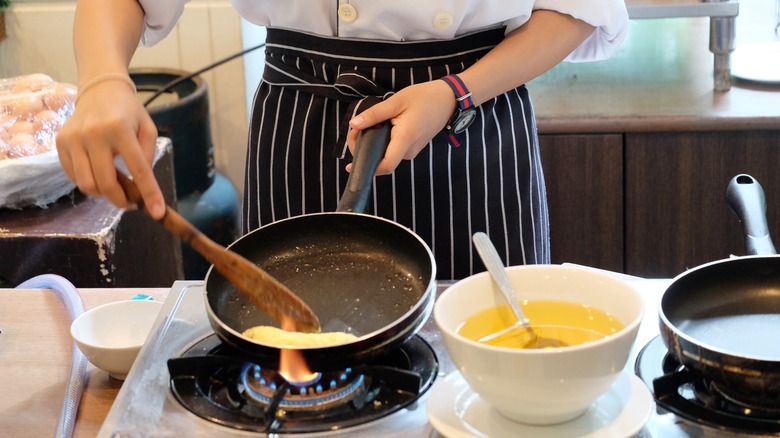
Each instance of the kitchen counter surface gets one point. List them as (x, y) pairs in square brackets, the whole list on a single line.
[(661, 79), (35, 356)]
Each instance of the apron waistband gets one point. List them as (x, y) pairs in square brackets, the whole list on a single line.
[(353, 85), (393, 53)]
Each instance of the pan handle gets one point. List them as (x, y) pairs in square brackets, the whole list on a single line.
[(369, 149), (746, 198)]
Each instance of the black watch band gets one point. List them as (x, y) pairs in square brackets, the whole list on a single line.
[(465, 113)]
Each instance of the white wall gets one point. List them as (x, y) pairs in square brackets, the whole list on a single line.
[(252, 35), (39, 41)]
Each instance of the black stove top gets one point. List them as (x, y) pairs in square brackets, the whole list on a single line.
[(681, 391), (217, 383)]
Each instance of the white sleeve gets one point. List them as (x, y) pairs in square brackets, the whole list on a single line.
[(609, 17), (160, 17)]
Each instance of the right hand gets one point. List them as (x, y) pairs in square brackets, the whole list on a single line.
[(108, 121)]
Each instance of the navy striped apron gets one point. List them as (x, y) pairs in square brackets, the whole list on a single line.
[(312, 86)]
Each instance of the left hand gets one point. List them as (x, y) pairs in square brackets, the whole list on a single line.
[(417, 113)]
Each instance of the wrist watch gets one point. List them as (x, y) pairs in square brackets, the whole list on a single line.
[(465, 112)]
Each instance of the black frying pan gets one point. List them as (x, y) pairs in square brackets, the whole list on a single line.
[(722, 319), (359, 273)]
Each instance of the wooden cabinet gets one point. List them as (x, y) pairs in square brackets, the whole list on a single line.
[(676, 215), (653, 204), (584, 178)]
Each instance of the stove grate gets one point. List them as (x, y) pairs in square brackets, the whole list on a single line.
[(681, 391), (214, 386)]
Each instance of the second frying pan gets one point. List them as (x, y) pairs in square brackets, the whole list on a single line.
[(722, 319)]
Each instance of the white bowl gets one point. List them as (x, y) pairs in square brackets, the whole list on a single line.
[(541, 386), (111, 335)]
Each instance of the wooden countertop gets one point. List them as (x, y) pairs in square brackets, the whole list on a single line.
[(35, 358), (661, 79)]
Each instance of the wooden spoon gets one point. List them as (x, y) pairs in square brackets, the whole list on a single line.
[(263, 290)]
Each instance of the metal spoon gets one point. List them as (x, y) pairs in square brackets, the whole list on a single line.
[(489, 255)]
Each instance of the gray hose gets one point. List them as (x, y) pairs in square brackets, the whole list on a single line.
[(70, 297)]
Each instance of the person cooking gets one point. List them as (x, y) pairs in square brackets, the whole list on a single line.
[(448, 76)]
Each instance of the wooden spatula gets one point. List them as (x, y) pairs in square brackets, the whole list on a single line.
[(263, 290)]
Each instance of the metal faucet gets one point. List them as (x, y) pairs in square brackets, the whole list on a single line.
[(722, 43), (723, 32), (777, 15)]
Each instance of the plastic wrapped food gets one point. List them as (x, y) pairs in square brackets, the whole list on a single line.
[(32, 110)]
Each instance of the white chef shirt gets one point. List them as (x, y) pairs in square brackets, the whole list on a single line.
[(399, 20)]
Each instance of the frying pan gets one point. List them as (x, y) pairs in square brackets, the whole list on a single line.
[(722, 319), (359, 273)]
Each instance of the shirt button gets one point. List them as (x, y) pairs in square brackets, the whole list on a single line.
[(442, 21), (347, 13)]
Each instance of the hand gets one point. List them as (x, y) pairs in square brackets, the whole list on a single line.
[(109, 121), (417, 113)]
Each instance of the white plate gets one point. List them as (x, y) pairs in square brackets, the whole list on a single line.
[(758, 62), (456, 411)]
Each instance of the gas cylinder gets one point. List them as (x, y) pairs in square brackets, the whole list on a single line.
[(204, 197)]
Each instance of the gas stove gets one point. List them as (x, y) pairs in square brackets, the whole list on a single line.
[(186, 382)]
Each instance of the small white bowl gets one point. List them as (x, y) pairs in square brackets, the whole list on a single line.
[(111, 335), (541, 386)]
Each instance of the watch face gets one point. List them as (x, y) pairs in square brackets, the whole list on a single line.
[(462, 120)]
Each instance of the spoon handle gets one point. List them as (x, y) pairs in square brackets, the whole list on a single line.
[(495, 266), (263, 290)]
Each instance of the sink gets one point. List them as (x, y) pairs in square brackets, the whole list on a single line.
[(722, 15)]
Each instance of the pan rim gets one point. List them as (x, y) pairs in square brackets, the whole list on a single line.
[(422, 301), (677, 332)]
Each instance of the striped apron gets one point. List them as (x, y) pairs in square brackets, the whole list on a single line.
[(312, 86)]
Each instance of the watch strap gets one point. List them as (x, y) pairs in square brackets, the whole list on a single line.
[(453, 138), (463, 101), (462, 94)]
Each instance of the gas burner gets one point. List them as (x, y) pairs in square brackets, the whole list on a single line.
[(322, 392), (725, 399), (683, 392), (216, 382)]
